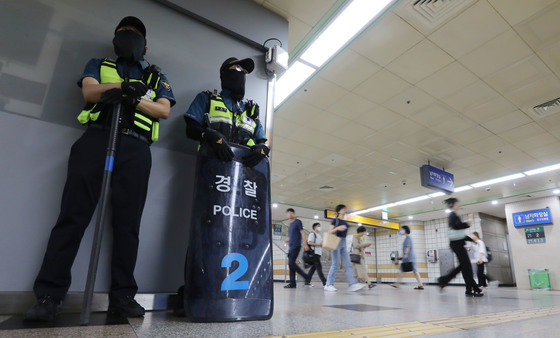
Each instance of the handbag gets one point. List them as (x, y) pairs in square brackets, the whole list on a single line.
[(331, 241), (355, 258), (309, 256), (406, 266)]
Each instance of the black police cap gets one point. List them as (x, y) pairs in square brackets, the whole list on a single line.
[(248, 64), (133, 22)]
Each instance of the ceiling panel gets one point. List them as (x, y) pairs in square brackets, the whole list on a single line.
[(447, 80), (351, 106), (378, 117), (382, 86), (409, 101), (507, 122), (541, 29), (488, 110), (433, 114), (420, 61), (386, 40), (519, 10), (320, 93), (349, 69), (496, 54), (470, 96), (471, 29)]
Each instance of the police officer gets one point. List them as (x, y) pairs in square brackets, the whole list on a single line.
[(146, 97), (219, 119)]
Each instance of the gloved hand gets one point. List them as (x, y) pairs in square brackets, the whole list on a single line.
[(151, 76), (112, 96), (134, 89), (252, 113), (259, 151), (217, 142)]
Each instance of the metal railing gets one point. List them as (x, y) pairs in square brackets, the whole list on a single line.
[(285, 260)]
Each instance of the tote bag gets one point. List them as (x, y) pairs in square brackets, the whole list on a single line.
[(330, 241)]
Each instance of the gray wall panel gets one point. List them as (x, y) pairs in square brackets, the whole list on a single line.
[(38, 124)]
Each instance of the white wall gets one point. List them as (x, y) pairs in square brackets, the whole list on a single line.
[(535, 256)]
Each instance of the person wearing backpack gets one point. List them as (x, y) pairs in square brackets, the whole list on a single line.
[(481, 258), (315, 242)]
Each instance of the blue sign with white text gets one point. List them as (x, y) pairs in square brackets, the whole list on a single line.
[(437, 179), (532, 217)]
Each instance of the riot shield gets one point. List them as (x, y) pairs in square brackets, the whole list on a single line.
[(228, 271)]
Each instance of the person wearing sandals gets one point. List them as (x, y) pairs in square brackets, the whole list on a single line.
[(408, 259), (457, 238), (340, 228), (358, 246)]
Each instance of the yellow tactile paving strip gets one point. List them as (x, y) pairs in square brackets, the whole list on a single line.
[(412, 329)]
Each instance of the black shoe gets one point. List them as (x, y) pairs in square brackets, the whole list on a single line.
[(290, 286), (478, 294), (440, 284), (469, 294), (125, 307), (45, 309)]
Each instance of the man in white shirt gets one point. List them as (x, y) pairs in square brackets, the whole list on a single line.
[(315, 242)]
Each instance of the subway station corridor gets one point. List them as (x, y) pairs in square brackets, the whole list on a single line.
[(378, 312)]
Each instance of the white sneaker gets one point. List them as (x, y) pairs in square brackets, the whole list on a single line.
[(356, 286), (330, 288)]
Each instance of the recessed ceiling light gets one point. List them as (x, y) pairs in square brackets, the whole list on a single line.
[(494, 202), (410, 217), (447, 211), (275, 205), (556, 191)]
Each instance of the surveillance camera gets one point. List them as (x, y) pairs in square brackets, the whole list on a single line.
[(488, 189), (403, 182)]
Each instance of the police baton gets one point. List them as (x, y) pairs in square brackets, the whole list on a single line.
[(105, 188)]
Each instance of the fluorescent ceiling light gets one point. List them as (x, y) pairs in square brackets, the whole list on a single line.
[(556, 191), (447, 211), (542, 170), (342, 29), (463, 188), (412, 200), (316, 217), (497, 180), (379, 207), (437, 194), (494, 202), (291, 80), (410, 217), (274, 205)]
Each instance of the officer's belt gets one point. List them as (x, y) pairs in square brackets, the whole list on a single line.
[(124, 131)]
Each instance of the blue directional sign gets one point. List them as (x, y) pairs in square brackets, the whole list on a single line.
[(532, 217), (437, 179)]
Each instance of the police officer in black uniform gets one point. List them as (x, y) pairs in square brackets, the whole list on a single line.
[(217, 119), (146, 97)]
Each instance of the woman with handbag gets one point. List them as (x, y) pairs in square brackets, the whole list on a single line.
[(358, 258), (408, 260), (339, 228)]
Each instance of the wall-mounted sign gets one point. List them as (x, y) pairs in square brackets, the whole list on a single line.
[(535, 235), (436, 179), (532, 217), (277, 230)]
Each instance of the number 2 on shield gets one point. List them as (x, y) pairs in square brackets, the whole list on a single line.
[(231, 282)]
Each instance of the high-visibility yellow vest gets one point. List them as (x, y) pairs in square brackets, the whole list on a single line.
[(238, 128), (140, 122)]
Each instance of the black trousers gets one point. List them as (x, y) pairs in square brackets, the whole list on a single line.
[(79, 199), (316, 267), (464, 267), (482, 277), (292, 256)]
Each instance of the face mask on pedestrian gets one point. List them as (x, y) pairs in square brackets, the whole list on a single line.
[(401, 232), (318, 228), (234, 81), (129, 45)]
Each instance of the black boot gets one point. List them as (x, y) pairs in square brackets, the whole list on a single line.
[(45, 309), (125, 307)]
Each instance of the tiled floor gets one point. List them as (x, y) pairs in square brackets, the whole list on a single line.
[(379, 311)]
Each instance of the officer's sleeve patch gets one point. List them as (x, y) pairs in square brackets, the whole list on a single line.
[(165, 84)]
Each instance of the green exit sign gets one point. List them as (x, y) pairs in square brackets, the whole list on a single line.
[(535, 235)]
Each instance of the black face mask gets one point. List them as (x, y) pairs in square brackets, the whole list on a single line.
[(129, 45), (234, 81)]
